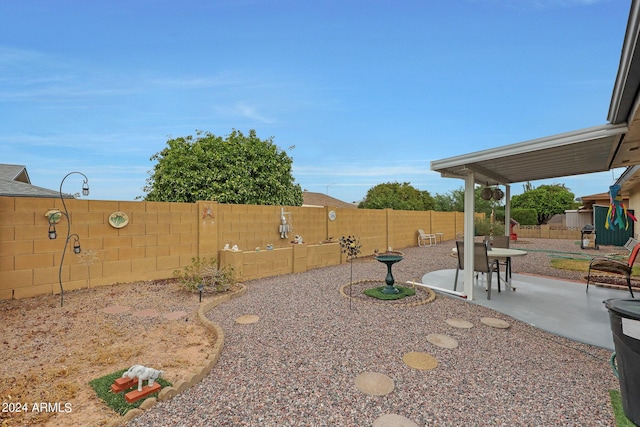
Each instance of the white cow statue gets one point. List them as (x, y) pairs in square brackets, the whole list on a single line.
[(143, 374)]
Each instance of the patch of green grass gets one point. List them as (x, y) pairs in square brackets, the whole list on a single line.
[(377, 293), (570, 264), (618, 412), (116, 401), (580, 265)]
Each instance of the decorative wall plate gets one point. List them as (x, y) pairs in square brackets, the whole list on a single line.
[(53, 216), (332, 215), (118, 219)]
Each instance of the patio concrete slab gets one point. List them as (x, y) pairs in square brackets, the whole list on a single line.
[(560, 307)]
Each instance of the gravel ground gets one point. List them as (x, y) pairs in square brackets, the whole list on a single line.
[(296, 366)]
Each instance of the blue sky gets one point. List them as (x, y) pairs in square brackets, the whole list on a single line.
[(366, 92)]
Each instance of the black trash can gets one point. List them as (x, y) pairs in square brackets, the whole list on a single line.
[(624, 315)]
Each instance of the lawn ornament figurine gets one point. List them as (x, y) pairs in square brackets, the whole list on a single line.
[(617, 216), (143, 374), (284, 227)]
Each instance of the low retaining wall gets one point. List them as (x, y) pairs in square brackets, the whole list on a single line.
[(249, 265)]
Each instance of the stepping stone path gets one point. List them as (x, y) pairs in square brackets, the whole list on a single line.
[(121, 309), (495, 323), (393, 420), (247, 319), (150, 312), (418, 360), (442, 341), (374, 383), (116, 309), (174, 315), (459, 323)]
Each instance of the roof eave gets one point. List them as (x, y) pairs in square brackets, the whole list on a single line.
[(623, 98)]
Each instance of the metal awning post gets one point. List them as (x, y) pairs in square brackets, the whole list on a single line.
[(507, 210), (469, 231)]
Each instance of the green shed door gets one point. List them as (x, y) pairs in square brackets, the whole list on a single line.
[(610, 236)]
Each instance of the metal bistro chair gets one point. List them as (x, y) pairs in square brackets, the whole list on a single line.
[(501, 242), (609, 265), (481, 264)]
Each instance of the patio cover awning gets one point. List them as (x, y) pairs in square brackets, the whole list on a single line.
[(594, 149)]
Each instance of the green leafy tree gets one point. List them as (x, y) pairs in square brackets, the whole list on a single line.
[(454, 202), (546, 200), (397, 196), (238, 169)]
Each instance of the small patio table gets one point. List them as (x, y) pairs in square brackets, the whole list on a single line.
[(502, 253)]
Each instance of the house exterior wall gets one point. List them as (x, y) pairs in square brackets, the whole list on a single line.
[(634, 203)]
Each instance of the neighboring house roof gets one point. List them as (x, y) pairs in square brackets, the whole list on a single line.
[(14, 173), (318, 199), (15, 182), (602, 199)]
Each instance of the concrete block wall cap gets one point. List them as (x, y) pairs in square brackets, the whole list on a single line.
[(132, 414), (201, 372), (192, 379), (167, 393), (149, 403), (180, 386), (209, 364)]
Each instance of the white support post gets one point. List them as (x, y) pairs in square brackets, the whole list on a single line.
[(507, 210), (469, 231)]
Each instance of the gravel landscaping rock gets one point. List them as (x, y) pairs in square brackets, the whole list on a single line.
[(297, 365)]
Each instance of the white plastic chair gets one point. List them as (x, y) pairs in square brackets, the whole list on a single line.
[(424, 238)]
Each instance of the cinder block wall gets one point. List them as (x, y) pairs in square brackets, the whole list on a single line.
[(163, 237), (159, 238)]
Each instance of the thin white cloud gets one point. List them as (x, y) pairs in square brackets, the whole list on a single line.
[(243, 110)]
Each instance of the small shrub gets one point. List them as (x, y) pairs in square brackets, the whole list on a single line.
[(205, 272), (483, 227)]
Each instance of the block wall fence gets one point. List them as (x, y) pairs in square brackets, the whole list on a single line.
[(162, 237)]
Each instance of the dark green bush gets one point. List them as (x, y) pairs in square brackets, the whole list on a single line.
[(525, 216), (483, 227)]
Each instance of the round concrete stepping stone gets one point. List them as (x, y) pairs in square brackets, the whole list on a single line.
[(117, 309), (174, 315), (442, 341), (495, 323), (418, 360), (149, 312), (247, 319), (459, 323), (374, 383), (393, 420)]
